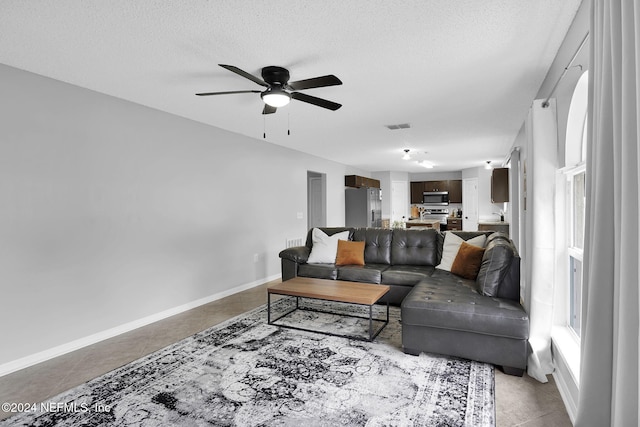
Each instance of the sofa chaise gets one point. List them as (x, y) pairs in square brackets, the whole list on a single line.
[(476, 316)]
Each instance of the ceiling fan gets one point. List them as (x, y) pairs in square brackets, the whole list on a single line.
[(280, 91)]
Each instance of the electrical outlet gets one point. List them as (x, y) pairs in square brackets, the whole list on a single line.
[(256, 257), (300, 215)]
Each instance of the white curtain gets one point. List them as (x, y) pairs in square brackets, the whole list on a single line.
[(609, 353), (541, 129)]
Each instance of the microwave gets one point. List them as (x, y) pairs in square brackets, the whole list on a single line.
[(437, 198)]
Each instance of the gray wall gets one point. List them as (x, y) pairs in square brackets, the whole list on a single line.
[(111, 212)]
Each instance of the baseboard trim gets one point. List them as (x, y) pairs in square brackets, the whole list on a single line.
[(569, 403), (565, 371), (34, 359)]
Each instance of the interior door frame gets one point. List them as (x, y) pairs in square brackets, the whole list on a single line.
[(469, 224), (316, 199), (397, 212)]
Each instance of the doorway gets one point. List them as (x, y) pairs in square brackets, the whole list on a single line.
[(316, 200), (399, 201), (470, 204)]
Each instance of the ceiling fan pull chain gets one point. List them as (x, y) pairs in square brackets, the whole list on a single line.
[(288, 123), (264, 127)]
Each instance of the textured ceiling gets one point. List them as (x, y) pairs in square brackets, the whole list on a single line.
[(463, 73)]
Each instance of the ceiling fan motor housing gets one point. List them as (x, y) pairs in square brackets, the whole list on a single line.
[(275, 75)]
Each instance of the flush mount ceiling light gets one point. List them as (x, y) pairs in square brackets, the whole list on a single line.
[(488, 165), (406, 155), (279, 89), (275, 97)]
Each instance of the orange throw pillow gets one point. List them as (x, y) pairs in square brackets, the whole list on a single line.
[(468, 261), (350, 253)]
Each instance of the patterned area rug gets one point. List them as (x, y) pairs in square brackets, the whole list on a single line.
[(245, 372)]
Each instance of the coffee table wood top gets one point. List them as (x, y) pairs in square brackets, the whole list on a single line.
[(331, 290)]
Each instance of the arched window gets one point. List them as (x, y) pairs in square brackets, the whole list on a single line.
[(574, 171), (575, 148)]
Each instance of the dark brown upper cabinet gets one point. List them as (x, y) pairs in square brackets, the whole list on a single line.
[(500, 185), (455, 191), (360, 181)]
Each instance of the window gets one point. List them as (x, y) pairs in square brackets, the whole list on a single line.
[(574, 213), (575, 244)]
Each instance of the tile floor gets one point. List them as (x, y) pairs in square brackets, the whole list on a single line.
[(519, 401)]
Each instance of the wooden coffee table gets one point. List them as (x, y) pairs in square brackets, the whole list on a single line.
[(330, 290)]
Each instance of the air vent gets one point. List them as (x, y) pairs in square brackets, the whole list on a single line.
[(290, 243), (399, 126)]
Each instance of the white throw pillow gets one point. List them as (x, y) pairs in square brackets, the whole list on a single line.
[(325, 247), (451, 246)]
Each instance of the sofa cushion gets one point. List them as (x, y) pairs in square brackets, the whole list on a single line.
[(468, 261), (465, 235), (369, 273), (329, 231), (325, 247), (350, 253), (414, 247), (451, 246), (447, 301), (406, 275), (319, 271), (496, 266), (377, 244)]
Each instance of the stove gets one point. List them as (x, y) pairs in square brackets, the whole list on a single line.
[(439, 214)]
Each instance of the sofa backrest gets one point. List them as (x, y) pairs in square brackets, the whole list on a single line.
[(414, 247), (499, 274), (377, 246)]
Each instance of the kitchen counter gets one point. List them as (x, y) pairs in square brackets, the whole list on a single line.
[(502, 226), (426, 223)]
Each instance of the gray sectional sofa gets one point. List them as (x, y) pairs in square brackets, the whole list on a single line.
[(443, 313)]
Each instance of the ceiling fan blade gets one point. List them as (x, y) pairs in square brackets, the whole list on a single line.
[(245, 74), (315, 101), (329, 80), (268, 109), (227, 93)]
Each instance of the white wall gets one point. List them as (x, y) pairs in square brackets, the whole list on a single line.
[(486, 209), (434, 176), (111, 212), (386, 178)]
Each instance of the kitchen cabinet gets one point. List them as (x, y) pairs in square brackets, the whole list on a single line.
[(455, 191), (357, 181), (436, 186), (500, 185), (453, 186), (454, 224), (417, 188)]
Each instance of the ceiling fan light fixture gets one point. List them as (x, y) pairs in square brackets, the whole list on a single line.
[(275, 97)]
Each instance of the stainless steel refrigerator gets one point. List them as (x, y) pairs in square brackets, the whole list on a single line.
[(363, 207)]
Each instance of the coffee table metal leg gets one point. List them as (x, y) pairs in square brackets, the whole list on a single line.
[(268, 308), (387, 311)]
